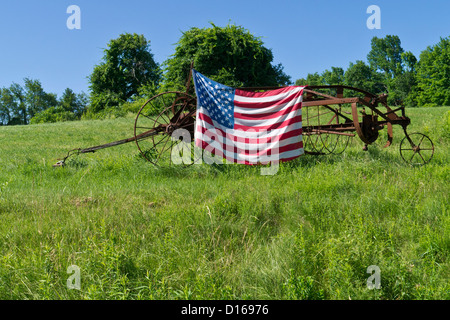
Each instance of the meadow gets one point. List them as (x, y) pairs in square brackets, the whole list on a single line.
[(221, 232)]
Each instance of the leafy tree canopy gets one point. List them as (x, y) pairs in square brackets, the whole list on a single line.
[(386, 55), (230, 55), (433, 75), (127, 65)]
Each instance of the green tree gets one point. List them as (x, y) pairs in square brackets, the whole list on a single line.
[(7, 105), (23, 103), (70, 107), (433, 75), (19, 109), (127, 65), (386, 56), (397, 67), (312, 79), (335, 76), (230, 55), (362, 76), (37, 100), (72, 102)]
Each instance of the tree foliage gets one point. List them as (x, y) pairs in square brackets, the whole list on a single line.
[(433, 75), (18, 105), (397, 68), (70, 107), (386, 56), (362, 76), (389, 69), (127, 65), (128, 75), (230, 55)]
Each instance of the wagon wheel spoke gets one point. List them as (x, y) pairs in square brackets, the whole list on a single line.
[(164, 113), (163, 148), (416, 153), (421, 140), (420, 154)]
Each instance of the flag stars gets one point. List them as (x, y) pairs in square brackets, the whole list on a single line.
[(217, 99)]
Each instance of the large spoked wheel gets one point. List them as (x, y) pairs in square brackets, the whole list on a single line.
[(416, 149), (156, 125)]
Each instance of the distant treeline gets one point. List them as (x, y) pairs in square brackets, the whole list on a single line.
[(128, 75), (390, 69), (31, 104)]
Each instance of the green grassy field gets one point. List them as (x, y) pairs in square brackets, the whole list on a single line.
[(221, 232)]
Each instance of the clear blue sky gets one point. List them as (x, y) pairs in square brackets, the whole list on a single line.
[(305, 36)]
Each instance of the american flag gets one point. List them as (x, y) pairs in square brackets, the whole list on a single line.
[(248, 127)]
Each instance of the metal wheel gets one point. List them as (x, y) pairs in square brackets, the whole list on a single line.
[(164, 114), (416, 149)]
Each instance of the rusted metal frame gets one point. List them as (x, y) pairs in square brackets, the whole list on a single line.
[(319, 131), (310, 103), (393, 111), (321, 114), (337, 113), (388, 116), (176, 117), (372, 107), (188, 82), (332, 118), (325, 102), (357, 124), (318, 93), (341, 87), (349, 126)]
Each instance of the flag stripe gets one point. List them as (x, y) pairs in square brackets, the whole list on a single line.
[(269, 115), (247, 127), (268, 124), (249, 159), (256, 103), (229, 140), (291, 130), (271, 95)]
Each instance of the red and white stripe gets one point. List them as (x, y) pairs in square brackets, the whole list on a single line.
[(267, 127)]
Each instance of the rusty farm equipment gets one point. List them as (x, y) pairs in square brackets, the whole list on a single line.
[(331, 116)]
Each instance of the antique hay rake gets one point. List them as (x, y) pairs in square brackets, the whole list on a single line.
[(331, 116)]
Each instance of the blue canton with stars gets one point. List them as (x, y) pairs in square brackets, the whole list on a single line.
[(216, 98)]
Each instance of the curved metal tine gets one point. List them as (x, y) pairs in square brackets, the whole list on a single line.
[(335, 143)]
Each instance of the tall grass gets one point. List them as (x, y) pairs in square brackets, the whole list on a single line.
[(220, 232)]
